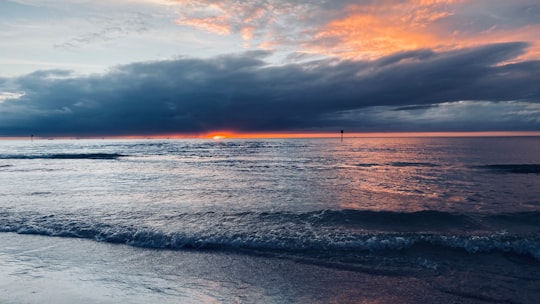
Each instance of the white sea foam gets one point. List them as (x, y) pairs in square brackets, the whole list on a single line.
[(312, 234)]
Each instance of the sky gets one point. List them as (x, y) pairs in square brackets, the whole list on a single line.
[(164, 67)]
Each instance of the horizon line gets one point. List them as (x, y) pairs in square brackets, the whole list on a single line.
[(268, 135)]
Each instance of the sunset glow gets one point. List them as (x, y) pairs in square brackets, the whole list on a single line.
[(368, 135), (336, 135), (277, 68), (269, 151)]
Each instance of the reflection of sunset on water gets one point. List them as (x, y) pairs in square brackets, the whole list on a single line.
[(413, 174), (416, 208), (270, 151)]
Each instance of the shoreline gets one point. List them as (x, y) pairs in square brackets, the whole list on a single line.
[(66, 270)]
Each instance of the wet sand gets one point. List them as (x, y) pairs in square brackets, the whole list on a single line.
[(36, 269)]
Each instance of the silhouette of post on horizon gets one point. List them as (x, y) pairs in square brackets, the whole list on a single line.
[(341, 135)]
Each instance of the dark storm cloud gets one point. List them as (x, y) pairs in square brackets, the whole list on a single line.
[(242, 92)]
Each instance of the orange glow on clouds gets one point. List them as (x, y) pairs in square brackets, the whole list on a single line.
[(386, 27), (215, 24), (367, 37), (356, 31), (224, 17)]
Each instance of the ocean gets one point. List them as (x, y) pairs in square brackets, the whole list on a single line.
[(358, 220)]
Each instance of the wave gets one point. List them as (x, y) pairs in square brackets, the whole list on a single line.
[(339, 234), (398, 164), (367, 165), (412, 164), (426, 219), (65, 156), (513, 168)]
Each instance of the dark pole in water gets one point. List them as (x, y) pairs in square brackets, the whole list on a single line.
[(32, 137), (341, 135)]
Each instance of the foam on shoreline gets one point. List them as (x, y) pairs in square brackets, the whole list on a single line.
[(37, 269)]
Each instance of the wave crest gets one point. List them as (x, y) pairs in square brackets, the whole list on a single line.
[(313, 234)]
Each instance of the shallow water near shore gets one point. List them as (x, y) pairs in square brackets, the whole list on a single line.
[(37, 269), (450, 220)]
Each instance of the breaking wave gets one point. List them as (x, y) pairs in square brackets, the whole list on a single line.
[(314, 234)]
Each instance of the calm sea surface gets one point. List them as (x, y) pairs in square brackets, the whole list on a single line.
[(364, 203)]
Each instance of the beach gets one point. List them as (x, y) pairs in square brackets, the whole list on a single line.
[(393, 220), (37, 269)]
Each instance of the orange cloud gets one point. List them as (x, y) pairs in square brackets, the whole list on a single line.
[(247, 33), (363, 31), (383, 28), (372, 31), (215, 24), (224, 17), (365, 37)]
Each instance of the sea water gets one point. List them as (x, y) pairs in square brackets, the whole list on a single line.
[(238, 220)]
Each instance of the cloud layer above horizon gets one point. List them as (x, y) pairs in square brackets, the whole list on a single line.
[(269, 66)]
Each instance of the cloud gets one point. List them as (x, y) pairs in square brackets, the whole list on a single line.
[(105, 33), (451, 116), (367, 29), (262, 23), (109, 28), (243, 92), (374, 29), (10, 95)]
